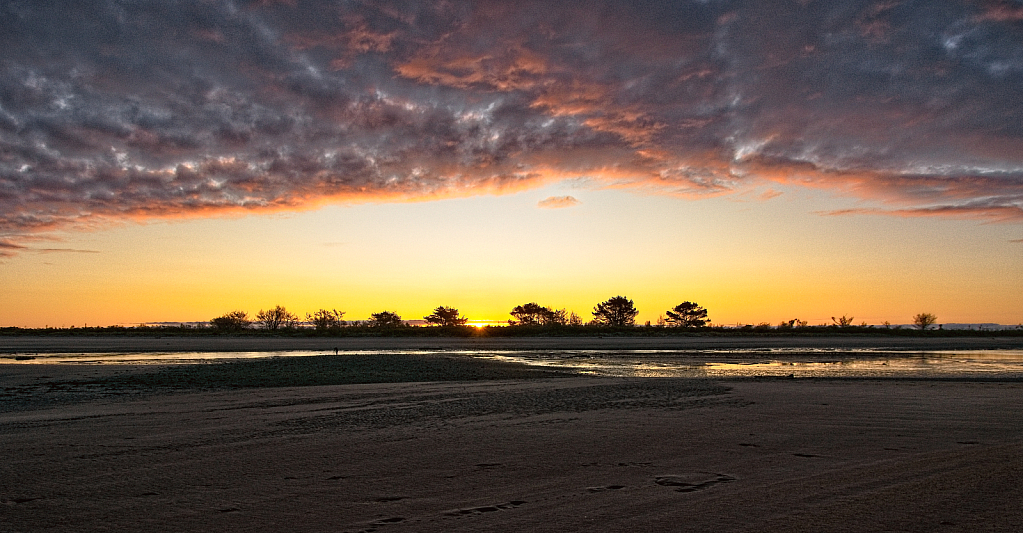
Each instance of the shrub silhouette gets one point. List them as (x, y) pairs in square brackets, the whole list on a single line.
[(233, 321), (385, 319)]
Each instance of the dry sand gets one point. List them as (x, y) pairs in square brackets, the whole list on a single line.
[(90, 448)]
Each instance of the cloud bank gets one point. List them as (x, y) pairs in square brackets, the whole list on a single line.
[(113, 111)]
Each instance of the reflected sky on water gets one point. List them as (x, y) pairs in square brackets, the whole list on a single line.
[(798, 362)]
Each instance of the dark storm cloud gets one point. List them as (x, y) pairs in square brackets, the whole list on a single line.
[(120, 110)]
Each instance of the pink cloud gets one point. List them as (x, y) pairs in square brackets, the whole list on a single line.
[(557, 202), (1001, 11), (299, 104), (990, 214)]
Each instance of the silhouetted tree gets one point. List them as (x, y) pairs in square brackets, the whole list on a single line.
[(233, 321), (924, 320), (446, 316), (533, 314), (276, 318), (385, 319), (687, 315), (843, 321), (574, 319), (618, 311), (324, 320)]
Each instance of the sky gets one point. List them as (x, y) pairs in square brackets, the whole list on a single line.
[(769, 160)]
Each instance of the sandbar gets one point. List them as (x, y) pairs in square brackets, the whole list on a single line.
[(29, 344)]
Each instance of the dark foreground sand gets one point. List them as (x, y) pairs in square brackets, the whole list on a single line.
[(88, 448)]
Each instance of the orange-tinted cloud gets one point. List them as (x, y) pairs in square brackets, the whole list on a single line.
[(208, 110), (557, 202), (1000, 11)]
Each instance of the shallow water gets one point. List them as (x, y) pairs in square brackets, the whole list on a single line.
[(144, 358), (790, 361), (797, 362)]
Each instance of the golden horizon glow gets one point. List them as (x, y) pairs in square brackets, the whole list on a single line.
[(488, 254), (375, 155)]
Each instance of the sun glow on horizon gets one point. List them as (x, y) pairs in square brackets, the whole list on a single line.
[(410, 258), (375, 155)]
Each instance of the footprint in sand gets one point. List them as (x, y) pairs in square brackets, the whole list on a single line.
[(382, 522), (692, 481), (605, 489), (20, 499), (485, 466), (485, 509)]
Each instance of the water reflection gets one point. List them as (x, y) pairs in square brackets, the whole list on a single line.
[(797, 362), (786, 362), (133, 358)]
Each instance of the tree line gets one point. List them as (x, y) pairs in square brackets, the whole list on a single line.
[(618, 311)]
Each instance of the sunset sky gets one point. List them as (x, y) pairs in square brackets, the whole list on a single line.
[(770, 160)]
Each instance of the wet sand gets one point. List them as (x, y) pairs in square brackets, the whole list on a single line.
[(91, 447), (101, 344)]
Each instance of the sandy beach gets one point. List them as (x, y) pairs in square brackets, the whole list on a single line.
[(486, 446)]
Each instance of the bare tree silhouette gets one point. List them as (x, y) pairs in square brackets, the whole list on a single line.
[(324, 320), (924, 320), (276, 318), (843, 321)]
